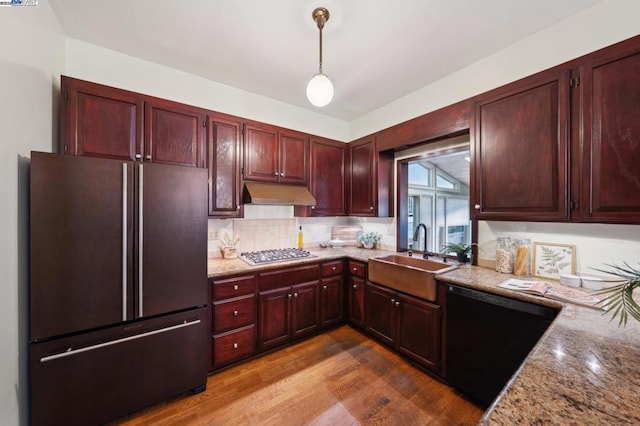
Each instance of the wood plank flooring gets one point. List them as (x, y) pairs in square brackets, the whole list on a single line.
[(338, 378)]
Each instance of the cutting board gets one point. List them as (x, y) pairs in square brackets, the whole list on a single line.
[(345, 233)]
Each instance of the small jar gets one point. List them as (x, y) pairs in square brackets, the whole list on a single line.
[(522, 261), (504, 256)]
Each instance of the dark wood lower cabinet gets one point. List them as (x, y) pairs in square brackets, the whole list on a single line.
[(331, 301), (288, 304), (409, 325), (356, 274), (294, 302)]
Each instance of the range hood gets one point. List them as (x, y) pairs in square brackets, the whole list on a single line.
[(277, 194)]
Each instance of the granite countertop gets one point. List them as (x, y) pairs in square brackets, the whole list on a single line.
[(582, 371)]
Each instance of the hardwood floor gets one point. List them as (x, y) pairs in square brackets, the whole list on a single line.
[(338, 378)]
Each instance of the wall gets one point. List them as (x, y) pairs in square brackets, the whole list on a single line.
[(31, 60), (90, 62)]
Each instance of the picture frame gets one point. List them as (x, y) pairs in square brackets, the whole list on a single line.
[(552, 259)]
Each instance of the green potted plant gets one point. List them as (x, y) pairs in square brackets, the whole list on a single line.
[(461, 250), (368, 239), (619, 298)]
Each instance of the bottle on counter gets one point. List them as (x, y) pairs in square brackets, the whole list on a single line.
[(300, 239)]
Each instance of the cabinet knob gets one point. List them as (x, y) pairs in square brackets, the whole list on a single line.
[(324, 287), (371, 208), (235, 286), (289, 295), (393, 300), (138, 156), (333, 268), (276, 174), (313, 207), (397, 304), (295, 294), (238, 207), (355, 270), (235, 346), (281, 174), (477, 207), (147, 157), (235, 313), (355, 286)]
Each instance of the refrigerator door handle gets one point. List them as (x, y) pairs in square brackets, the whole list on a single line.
[(70, 352), (124, 241), (140, 240)]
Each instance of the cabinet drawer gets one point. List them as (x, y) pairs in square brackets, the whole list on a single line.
[(332, 268), (287, 277), (234, 313), (233, 287), (357, 268), (234, 345)]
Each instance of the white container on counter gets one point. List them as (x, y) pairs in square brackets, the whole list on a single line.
[(570, 280)]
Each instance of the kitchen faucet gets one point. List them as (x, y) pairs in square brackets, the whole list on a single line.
[(416, 234)]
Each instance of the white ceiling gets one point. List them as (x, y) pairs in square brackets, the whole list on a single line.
[(375, 51)]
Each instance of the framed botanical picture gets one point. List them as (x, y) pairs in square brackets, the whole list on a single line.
[(551, 259)]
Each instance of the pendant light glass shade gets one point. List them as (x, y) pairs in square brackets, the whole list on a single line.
[(320, 90)]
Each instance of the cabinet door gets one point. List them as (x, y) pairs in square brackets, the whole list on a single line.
[(331, 291), (419, 331), (521, 151), (174, 134), (100, 121), (356, 301), (610, 95), (363, 174), (328, 184), (261, 153), (224, 168), (305, 309), (294, 158), (381, 313), (275, 325)]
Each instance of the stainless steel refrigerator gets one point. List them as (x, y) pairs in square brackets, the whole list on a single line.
[(117, 288)]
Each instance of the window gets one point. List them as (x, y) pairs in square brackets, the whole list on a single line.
[(436, 193)]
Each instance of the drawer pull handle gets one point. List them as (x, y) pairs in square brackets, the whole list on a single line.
[(235, 346), (235, 313), (235, 286)]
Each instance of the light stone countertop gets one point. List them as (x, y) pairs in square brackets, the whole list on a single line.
[(582, 371)]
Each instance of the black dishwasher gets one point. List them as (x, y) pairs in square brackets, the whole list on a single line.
[(488, 337)]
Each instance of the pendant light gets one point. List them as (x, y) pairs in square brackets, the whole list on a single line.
[(320, 89)]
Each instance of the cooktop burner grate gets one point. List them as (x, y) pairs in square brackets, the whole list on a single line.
[(275, 255)]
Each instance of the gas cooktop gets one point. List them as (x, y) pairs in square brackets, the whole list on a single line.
[(275, 255)]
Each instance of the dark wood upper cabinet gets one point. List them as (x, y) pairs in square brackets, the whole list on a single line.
[(100, 121), (521, 151), (103, 121), (328, 181), (261, 153), (225, 156), (609, 99), (370, 179), (174, 134), (275, 155), (294, 157)]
